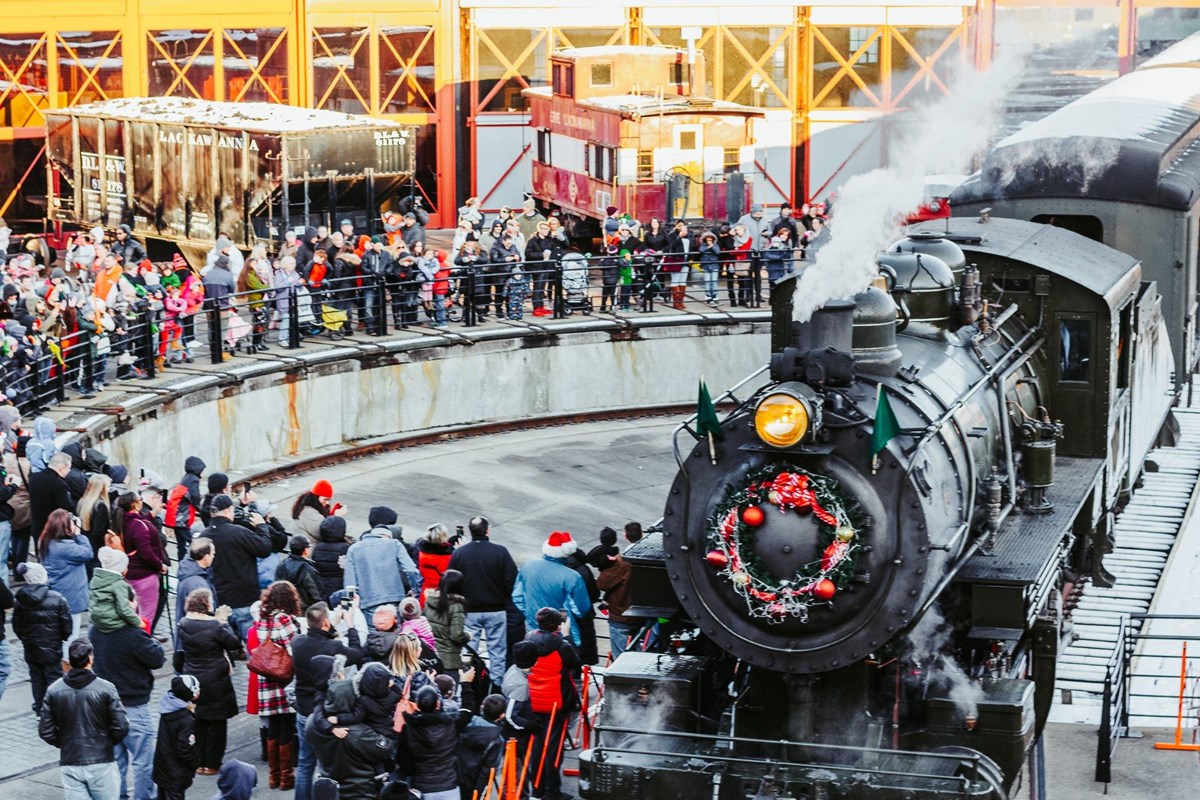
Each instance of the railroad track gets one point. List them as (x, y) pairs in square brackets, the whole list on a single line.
[(1144, 535)]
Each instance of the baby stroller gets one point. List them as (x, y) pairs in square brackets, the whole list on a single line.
[(334, 321), (575, 283)]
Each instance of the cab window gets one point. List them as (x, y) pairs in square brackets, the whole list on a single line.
[(1075, 349)]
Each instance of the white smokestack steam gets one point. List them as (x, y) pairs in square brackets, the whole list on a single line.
[(869, 209)]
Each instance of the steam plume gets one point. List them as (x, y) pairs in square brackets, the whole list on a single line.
[(870, 207)]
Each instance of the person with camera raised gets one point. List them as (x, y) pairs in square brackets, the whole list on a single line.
[(235, 567), (380, 569)]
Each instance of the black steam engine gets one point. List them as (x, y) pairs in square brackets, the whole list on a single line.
[(857, 588)]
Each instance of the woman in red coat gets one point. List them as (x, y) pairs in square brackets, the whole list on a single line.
[(433, 557)]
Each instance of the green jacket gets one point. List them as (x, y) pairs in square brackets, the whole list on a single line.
[(109, 602), (449, 628)]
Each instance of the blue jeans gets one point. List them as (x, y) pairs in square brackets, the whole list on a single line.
[(618, 636), (491, 626), (5, 665), (91, 782), (138, 747), (5, 546), (712, 283), (241, 622), (306, 761), (439, 309)]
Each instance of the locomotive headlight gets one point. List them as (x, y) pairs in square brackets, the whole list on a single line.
[(786, 414)]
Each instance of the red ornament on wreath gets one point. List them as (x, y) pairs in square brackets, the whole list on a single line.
[(716, 558), (825, 589), (753, 516)]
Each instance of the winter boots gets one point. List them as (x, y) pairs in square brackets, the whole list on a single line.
[(273, 762), (287, 766), (677, 297)]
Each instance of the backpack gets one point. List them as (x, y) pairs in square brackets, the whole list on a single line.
[(175, 499)]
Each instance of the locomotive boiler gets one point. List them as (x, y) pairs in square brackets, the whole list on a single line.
[(860, 572)]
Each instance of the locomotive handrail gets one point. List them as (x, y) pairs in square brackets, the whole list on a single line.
[(863, 751)]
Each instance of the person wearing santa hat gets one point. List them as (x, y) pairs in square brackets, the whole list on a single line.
[(550, 583)]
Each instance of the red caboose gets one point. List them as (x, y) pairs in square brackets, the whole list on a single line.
[(624, 126)]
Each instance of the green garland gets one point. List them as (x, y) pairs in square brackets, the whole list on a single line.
[(732, 530)]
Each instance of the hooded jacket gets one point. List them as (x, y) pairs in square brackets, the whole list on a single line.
[(236, 780), (42, 621), (175, 753), (41, 445), (331, 545), (145, 546), (380, 567), (189, 502), (301, 573), (614, 582), (449, 629), (489, 574), (83, 717), (428, 747), (127, 657), (191, 576), (65, 565), (235, 566), (109, 602), (432, 560), (480, 746)]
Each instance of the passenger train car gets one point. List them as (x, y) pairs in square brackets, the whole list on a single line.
[(627, 126), (1120, 165), (857, 591)]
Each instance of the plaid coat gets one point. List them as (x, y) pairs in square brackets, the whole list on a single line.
[(272, 696)]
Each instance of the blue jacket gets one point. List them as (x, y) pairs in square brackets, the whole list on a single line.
[(191, 576), (550, 583), (374, 565), (42, 445), (66, 564)]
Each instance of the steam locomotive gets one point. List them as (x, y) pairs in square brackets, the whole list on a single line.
[(858, 585)]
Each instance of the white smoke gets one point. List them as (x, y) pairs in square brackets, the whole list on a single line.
[(869, 208), (931, 644)]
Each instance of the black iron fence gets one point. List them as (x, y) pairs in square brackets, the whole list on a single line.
[(84, 353)]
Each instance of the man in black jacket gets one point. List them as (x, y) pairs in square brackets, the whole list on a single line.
[(376, 267), (84, 719), (299, 570), (129, 249), (542, 252), (48, 491), (127, 657), (319, 641), (235, 566), (489, 574)]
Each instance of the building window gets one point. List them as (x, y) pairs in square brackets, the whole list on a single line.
[(687, 140), (255, 62), (645, 165), (89, 66), (602, 74), (1075, 342), (180, 64), (859, 37), (732, 159), (543, 146), (677, 73), (341, 70), (562, 79), (406, 70), (601, 162)]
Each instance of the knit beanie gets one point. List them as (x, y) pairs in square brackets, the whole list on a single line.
[(113, 560), (185, 687), (410, 608), (548, 619), (381, 515), (323, 488), (217, 482), (525, 655), (33, 572)]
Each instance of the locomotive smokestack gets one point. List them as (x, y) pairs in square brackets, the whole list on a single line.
[(781, 313)]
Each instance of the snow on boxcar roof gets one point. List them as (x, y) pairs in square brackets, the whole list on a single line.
[(263, 117)]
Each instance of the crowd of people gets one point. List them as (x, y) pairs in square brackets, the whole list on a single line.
[(392, 667), (102, 310)]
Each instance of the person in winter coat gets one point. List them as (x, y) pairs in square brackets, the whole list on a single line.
[(41, 447), (147, 554), (183, 503), (82, 716), (588, 650), (299, 570), (376, 267), (175, 753), (551, 583), (235, 567), (195, 572), (42, 621), (786, 221), (552, 697), (328, 554), (710, 262), (94, 514), (279, 621), (778, 255), (446, 610), (129, 249), (481, 746), (489, 575), (47, 492), (110, 598), (380, 567), (235, 781), (128, 658), (65, 553), (754, 225), (412, 622), (219, 284), (429, 745), (351, 755), (206, 644), (433, 556), (313, 506)]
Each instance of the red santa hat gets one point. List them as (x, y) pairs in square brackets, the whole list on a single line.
[(559, 545)]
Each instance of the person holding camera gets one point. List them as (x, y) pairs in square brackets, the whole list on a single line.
[(380, 568), (235, 566)]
